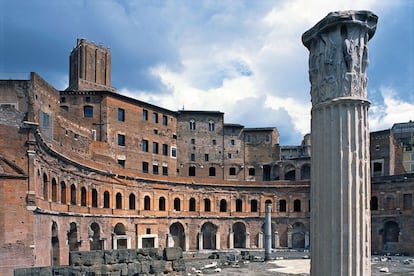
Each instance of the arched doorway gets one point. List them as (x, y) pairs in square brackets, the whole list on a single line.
[(391, 235), (298, 235), (209, 231), (290, 172), (73, 237), (55, 245), (239, 232), (95, 236), (178, 235), (120, 238)]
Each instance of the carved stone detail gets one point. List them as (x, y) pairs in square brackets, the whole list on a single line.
[(339, 55)]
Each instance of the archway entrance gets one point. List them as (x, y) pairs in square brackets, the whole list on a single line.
[(95, 236), (178, 235), (298, 235), (209, 230), (391, 235), (55, 245), (239, 230), (120, 238), (73, 237)]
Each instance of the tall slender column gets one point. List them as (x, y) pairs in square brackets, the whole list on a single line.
[(340, 182)]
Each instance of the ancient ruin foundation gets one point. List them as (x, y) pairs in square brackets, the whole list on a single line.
[(340, 183)]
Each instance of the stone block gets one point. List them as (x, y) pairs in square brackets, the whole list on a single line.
[(158, 266), (173, 253), (110, 257), (178, 265), (134, 268), (34, 271)]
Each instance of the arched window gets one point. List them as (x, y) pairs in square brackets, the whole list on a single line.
[(161, 204), (94, 198), (192, 125), (212, 171), (73, 194), (106, 199), (88, 111), (211, 125), (223, 205), (192, 204), (282, 205), (207, 205), (62, 192), (118, 199), (147, 203), (45, 188), (131, 202), (177, 204), (296, 205), (374, 203), (54, 190), (83, 196), (239, 205), (253, 205)]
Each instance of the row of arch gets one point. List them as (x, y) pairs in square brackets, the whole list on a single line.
[(178, 236), (95, 199)]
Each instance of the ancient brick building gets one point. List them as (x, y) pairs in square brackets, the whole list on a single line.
[(87, 169)]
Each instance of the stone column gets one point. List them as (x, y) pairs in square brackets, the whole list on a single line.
[(231, 240), (277, 240), (268, 231), (340, 182), (218, 246), (200, 241), (260, 240)]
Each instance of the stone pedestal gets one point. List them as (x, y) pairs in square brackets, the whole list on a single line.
[(340, 182)]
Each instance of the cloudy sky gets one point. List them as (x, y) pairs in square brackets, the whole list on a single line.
[(244, 58)]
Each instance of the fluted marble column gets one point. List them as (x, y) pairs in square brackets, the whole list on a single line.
[(340, 182)]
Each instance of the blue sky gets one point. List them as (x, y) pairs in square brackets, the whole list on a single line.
[(244, 58)]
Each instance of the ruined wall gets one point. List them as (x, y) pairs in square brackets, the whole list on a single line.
[(116, 262)]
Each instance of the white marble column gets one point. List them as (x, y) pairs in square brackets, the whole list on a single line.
[(340, 182)]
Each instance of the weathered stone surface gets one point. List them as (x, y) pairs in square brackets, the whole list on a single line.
[(173, 253), (339, 54), (340, 184), (115, 262), (158, 266)]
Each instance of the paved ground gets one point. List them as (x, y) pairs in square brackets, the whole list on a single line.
[(284, 263)]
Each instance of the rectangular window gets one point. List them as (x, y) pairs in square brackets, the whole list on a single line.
[(88, 111), (214, 142), (121, 140), (407, 201), (164, 120), (192, 141), (412, 167), (155, 169), (232, 142), (192, 157), (206, 157), (412, 156), (164, 170), (121, 162), (173, 152), (232, 171), (165, 149), (155, 117), (154, 147), (229, 155), (145, 167), (144, 145), (145, 115), (121, 114)]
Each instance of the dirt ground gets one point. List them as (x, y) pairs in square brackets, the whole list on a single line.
[(233, 263)]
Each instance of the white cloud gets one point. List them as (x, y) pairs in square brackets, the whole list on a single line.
[(392, 110)]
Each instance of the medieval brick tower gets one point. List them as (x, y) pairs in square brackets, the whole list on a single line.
[(90, 67)]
